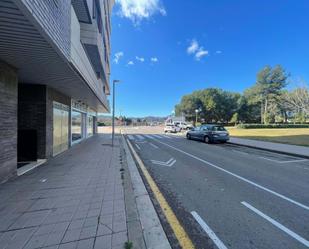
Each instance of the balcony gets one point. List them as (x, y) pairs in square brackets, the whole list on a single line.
[(92, 41), (91, 35), (85, 60), (83, 10)]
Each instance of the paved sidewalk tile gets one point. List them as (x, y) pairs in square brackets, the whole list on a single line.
[(74, 201)]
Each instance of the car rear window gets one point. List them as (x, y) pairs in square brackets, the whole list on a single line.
[(218, 128)]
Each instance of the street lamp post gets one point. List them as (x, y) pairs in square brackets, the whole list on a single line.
[(113, 118), (196, 112)]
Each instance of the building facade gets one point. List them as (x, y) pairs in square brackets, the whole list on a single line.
[(54, 76)]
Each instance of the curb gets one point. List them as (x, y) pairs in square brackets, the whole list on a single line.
[(152, 234), (270, 150), (134, 227)]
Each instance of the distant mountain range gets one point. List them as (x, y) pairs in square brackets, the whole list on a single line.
[(149, 119)]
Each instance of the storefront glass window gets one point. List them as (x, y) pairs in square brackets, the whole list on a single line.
[(90, 126), (76, 126)]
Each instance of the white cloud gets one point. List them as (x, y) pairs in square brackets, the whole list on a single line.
[(218, 52), (154, 59), (197, 50), (137, 10), (193, 47), (130, 63), (201, 53), (118, 56), (141, 59)]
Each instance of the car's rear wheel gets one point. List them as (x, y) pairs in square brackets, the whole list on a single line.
[(188, 136), (206, 140)]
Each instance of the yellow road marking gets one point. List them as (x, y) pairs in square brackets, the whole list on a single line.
[(181, 235)]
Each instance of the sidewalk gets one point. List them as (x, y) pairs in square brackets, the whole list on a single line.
[(301, 151), (75, 200)]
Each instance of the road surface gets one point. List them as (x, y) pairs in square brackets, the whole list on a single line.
[(228, 196)]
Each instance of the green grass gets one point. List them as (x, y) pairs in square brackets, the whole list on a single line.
[(128, 245), (296, 136)]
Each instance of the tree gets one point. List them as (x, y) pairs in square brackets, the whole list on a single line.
[(187, 106), (235, 118), (264, 102), (298, 99), (248, 111), (127, 121), (214, 105), (268, 87)]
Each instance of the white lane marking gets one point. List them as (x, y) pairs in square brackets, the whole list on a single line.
[(295, 161), (154, 146), (241, 152), (238, 176), (140, 137), (272, 160), (165, 164), (208, 230), (280, 161), (131, 137), (169, 163), (137, 146), (277, 224)]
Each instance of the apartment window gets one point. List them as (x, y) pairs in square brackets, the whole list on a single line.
[(97, 15), (94, 9), (56, 3)]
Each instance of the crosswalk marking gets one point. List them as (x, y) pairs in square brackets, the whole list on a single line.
[(167, 136), (140, 137), (154, 146), (149, 136), (157, 136), (131, 137), (154, 136)]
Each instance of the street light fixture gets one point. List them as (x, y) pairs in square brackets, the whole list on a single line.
[(113, 119), (196, 112)]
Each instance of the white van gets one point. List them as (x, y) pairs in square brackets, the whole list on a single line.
[(171, 128), (183, 125)]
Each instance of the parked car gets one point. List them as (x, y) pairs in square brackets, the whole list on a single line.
[(171, 128), (209, 134), (183, 125)]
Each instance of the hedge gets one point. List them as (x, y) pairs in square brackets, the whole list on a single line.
[(271, 126)]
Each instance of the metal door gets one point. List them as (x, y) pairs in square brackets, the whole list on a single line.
[(65, 130), (60, 128)]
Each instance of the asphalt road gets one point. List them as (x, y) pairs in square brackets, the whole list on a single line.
[(237, 197)]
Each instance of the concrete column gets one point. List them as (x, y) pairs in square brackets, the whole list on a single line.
[(95, 124), (8, 121)]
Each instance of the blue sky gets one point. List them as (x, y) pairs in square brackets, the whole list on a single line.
[(164, 49)]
